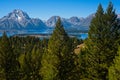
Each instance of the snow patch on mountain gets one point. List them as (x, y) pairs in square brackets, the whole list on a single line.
[(20, 20)]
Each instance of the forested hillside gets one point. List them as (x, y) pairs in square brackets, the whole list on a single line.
[(30, 58)]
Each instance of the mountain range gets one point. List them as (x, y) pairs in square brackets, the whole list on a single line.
[(20, 20)]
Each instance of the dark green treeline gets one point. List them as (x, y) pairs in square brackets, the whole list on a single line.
[(29, 58)]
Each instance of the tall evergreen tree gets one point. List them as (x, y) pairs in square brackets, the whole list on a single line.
[(101, 44), (8, 61), (58, 61), (50, 59), (93, 44), (111, 34)]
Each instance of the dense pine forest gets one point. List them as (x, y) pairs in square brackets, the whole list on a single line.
[(30, 58)]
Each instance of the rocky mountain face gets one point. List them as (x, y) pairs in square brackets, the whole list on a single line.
[(72, 24), (19, 20)]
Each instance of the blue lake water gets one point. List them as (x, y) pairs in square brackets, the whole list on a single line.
[(78, 35)]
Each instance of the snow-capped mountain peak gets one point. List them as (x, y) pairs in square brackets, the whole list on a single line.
[(17, 15), (74, 19), (19, 19), (21, 13), (51, 22)]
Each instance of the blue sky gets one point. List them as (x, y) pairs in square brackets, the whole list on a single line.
[(44, 9)]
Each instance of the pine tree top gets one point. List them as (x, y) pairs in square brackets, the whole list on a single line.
[(59, 32)]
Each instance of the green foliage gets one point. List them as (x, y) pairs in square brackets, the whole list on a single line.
[(114, 70), (95, 45), (50, 59), (8, 62), (29, 58), (20, 58), (101, 44), (58, 62), (69, 64), (30, 64)]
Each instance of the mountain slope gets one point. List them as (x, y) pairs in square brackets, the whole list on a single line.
[(20, 20), (73, 24)]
